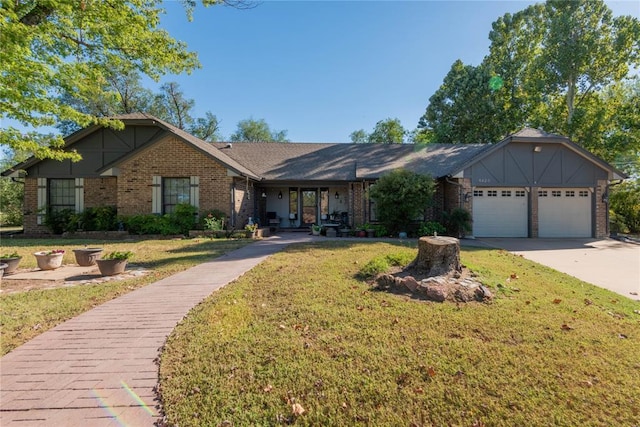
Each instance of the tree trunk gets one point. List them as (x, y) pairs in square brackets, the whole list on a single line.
[(438, 256)]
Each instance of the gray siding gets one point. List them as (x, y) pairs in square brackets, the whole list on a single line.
[(517, 164), (97, 149)]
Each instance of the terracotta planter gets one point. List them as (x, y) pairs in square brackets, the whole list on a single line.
[(111, 267), (12, 264), (87, 256), (48, 261)]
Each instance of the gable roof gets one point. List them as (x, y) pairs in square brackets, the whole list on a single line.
[(346, 162), (146, 119), (540, 137)]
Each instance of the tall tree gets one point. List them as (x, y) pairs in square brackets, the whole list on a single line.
[(251, 130), (56, 47), (387, 131), (465, 109), (171, 105), (558, 66)]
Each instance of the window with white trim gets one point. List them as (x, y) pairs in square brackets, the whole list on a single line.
[(492, 193), (520, 193), (477, 193), (506, 193), (570, 193), (542, 193), (583, 193), (556, 193)]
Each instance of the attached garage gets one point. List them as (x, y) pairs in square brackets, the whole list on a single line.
[(500, 212), (565, 212)]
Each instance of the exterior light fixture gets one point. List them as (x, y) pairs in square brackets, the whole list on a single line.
[(537, 149), (337, 196), (264, 195), (280, 195)]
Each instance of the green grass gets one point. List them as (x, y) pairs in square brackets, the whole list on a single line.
[(25, 315), (302, 328)]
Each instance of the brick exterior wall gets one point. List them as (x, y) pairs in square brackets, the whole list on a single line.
[(99, 192), (171, 158), (242, 205), (30, 208), (533, 209), (601, 211)]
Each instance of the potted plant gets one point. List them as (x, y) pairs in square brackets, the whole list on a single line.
[(315, 229), (87, 256), (251, 229), (113, 262), (12, 260), (49, 260)]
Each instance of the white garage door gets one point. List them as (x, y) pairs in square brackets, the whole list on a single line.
[(500, 212), (564, 212)]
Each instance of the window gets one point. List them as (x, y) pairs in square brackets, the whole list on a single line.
[(293, 203), (520, 193), (174, 192), (556, 193), (583, 193), (542, 193), (492, 193), (477, 193), (506, 193), (324, 203), (62, 194), (570, 193)]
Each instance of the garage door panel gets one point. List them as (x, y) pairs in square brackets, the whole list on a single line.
[(500, 212), (564, 212)]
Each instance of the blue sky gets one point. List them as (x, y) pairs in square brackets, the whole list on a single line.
[(321, 70)]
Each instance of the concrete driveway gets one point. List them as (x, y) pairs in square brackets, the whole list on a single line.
[(608, 263)]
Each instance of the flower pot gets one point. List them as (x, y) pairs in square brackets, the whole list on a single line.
[(12, 264), (111, 267), (371, 233), (48, 261), (87, 256), (361, 233), (3, 267)]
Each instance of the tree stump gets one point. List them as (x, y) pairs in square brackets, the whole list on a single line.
[(438, 256)]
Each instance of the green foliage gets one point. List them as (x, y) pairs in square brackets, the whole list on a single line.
[(102, 218), (430, 227), (11, 201), (383, 263), (380, 230), (8, 255), (387, 131), (119, 255), (58, 222), (179, 222), (55, 47), (457, 222), (250, 130), (562, 66), (400, 197), (625, 203)]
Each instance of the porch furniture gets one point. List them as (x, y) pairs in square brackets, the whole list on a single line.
[(274, 221)]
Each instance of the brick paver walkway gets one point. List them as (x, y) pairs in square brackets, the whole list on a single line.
[(100, 368)]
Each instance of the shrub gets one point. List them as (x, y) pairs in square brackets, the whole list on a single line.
[(65, 220), (102, 218), (120, 255), (625, 203), (400, 197), (457, 222), (430, 227), (179, 222)]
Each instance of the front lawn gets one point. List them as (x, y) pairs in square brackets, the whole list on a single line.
[(25, 315), (301, 340)]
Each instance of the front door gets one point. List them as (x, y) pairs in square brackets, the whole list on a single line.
[(309, 206)]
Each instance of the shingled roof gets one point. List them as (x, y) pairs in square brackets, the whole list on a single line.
[(346, 162)]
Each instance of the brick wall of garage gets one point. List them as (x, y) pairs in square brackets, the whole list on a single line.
[(171, 158), (99, 192), (601, 211)]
